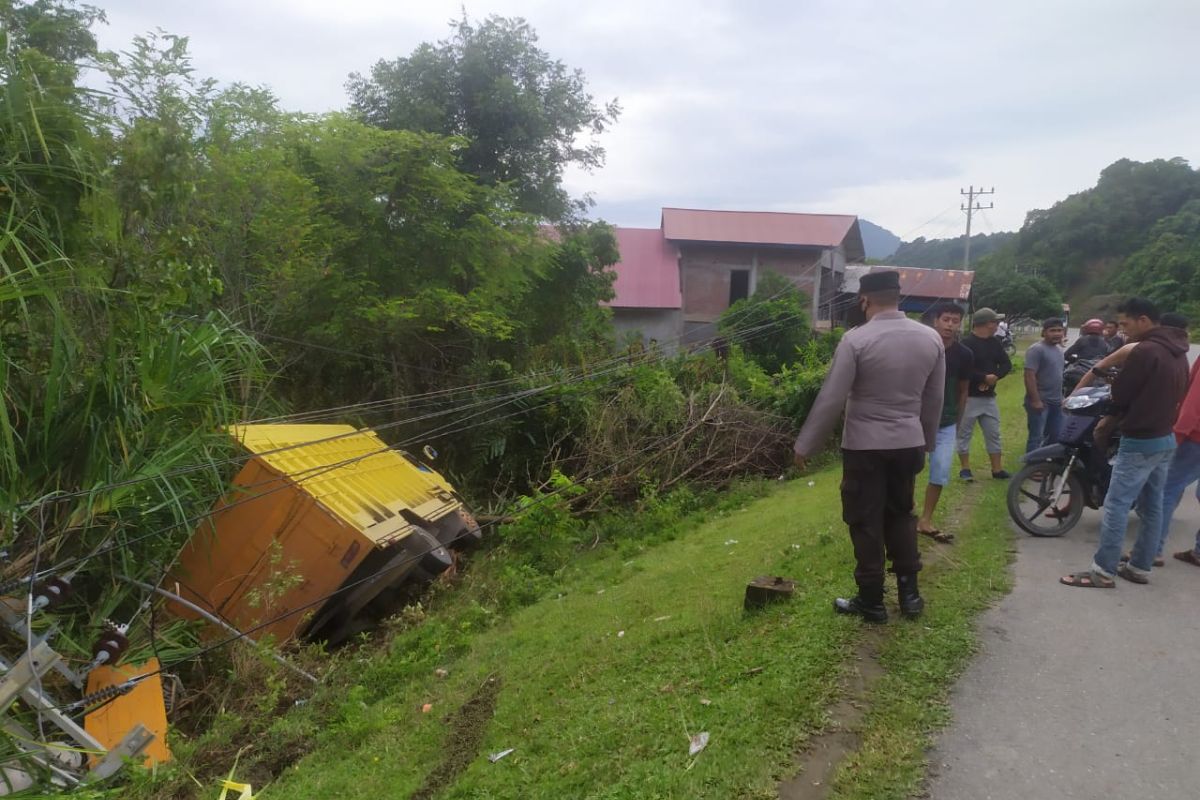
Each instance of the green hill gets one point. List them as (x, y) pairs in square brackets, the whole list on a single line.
[(1137, 231), (947, 253)]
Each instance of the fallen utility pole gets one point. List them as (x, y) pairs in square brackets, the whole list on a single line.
[(63, 762)]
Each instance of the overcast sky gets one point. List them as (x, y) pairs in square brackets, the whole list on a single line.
[(876, 108)]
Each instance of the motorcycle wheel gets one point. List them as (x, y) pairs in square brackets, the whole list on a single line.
[(1031, 494)]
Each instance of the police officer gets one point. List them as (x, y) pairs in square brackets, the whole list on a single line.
[(888, 375)]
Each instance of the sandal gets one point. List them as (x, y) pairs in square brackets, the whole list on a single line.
[(938, 536), (1158, 560), (1132, 575), (1190, 557), (1088, 580)]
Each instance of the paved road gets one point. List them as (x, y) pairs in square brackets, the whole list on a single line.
[(1081, 693)]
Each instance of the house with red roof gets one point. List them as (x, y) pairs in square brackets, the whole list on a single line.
[(673, 282), (920, 289)]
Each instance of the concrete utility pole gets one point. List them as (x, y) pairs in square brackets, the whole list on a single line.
[(971, 207)]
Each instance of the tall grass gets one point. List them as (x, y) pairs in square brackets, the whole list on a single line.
[(104, 400)]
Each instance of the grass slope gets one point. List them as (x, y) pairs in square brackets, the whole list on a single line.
[(599, 688)]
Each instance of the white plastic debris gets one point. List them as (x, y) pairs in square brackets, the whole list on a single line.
[(730, 541), (494, 757), (620, 634), (697, 743), (812, 483)]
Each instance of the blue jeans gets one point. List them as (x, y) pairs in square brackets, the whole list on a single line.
[(1182, 473), (942, 457), (1044, 425), (1140, 477)]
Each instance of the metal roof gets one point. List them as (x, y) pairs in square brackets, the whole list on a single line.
[(937, 284), (648, 272), (763, 227), (356, 476)]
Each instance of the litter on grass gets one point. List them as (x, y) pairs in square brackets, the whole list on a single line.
[(494, 757), (697, 743)]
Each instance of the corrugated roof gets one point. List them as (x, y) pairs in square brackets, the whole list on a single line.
[(648, 272), (356, 476), (763, 227), (940, 284)]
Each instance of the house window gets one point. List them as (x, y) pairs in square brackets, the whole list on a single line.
[(739, 285)]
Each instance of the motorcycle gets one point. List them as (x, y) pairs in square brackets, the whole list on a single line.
[(1048, 494), (1007, 341)]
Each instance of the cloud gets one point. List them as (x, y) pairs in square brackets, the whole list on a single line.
[(880, 109)]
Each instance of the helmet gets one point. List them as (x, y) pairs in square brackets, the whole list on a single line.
[(1093, 326)]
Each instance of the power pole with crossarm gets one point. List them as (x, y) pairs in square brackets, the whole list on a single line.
[(971, 207)]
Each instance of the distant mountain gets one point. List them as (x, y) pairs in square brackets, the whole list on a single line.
[(879, 242), (947, 253)]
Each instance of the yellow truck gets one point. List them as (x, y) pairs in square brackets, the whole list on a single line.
[(326, 530)]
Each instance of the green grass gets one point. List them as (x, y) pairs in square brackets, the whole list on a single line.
[(599, 686), (596, 713), (908, 704)]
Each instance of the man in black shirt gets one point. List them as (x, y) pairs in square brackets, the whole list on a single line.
[(990, 364), (946, 319)]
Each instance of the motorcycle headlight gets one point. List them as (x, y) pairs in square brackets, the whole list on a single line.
[(1078, 401)]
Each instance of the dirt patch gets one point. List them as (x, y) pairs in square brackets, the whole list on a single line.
[(825, 752), (467, 728)]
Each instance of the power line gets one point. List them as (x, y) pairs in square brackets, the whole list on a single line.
[(314, 472), (657, 445)]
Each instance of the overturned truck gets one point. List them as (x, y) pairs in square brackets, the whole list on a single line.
[(326, 530)]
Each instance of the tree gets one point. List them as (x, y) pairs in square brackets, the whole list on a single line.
[(1167, 268), (520, 113), (1016, 294), (1108, 222), (771, 324)]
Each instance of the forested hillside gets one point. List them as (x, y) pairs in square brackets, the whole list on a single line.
[(947, 253), (1134, 232), (1137, 231)]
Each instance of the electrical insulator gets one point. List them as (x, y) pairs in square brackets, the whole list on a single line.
[(51, 592), (104, 695), (109, 647)]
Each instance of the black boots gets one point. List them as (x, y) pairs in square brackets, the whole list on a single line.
[(868, 604), (911, 603)]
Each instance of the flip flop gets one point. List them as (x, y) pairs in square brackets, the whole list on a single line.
[(1189, 556), (1088, 580)]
